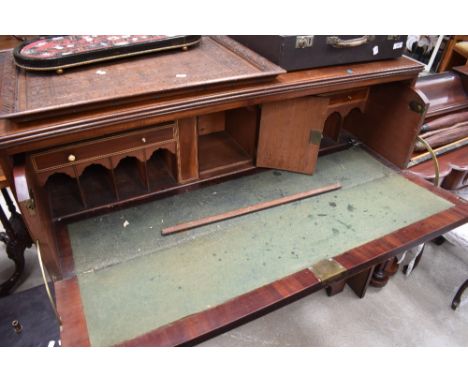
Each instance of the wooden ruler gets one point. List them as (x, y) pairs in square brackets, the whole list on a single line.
[(247, 210)]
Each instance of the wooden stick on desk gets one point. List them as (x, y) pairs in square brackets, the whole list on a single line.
[(247, 210)]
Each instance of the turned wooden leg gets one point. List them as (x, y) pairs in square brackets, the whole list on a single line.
[(335, 287), (383, 272), (392, 267)]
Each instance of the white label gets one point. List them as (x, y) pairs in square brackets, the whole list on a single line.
[(398, 45), (375, 50)]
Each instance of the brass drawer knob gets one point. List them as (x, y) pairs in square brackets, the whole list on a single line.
[(71, 158), (143, 140)]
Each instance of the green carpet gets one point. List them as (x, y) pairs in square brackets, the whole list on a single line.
[(133, 280)]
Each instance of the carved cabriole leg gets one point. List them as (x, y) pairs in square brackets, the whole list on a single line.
[(16, 239), (32, 201)]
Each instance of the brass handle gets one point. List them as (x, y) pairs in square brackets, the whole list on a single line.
[(71, 158), (337, 42), (143, 140), (46, 284)]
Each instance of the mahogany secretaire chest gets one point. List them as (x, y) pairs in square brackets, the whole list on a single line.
[(101, 158)]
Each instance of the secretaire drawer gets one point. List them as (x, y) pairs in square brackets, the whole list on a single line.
[(102, 147), (354, 95)]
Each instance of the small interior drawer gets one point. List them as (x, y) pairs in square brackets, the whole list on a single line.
[(355, 95), (343, 102), (99, 148)]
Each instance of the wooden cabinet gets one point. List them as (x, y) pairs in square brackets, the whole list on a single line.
[(227, 141), (98, 173), (74, 159), (71, 162)]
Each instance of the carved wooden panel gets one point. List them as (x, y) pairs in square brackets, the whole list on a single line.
[(216, 59)]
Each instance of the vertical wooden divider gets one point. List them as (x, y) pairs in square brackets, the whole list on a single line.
[(80, 188), (142, 170), (145, 163), (114, 183), (187, 149)]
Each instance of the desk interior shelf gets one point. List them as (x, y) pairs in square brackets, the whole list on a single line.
[(226, 141)]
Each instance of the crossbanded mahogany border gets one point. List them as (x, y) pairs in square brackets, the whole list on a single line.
[(74, 331), (201, 326), (405, 238)]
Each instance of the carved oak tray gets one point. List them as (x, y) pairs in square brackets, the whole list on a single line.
[(60, 52), (216, 60)]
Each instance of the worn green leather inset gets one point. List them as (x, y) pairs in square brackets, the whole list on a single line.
[(133, 280)]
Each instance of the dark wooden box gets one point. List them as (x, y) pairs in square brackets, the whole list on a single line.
[(304, 52)]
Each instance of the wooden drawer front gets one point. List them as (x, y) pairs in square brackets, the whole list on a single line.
[(101, 147), (355, 95), (344, 102)]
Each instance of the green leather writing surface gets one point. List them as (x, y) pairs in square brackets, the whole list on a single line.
[(133, 280)]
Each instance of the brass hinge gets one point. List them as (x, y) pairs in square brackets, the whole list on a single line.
[(416, 107), (315, 137), (31, 206)]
